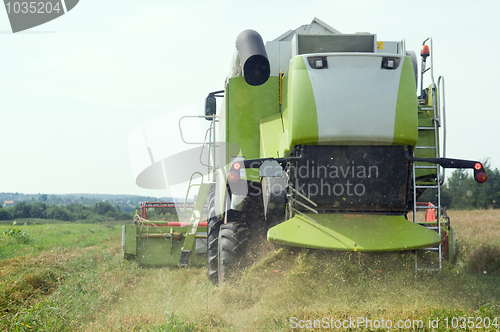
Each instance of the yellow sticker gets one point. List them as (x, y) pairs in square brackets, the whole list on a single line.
[(380, 45)]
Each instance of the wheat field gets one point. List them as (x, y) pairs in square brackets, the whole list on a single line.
[(71, 277)]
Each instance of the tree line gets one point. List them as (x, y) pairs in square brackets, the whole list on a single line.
[(100, 211), (127, 203)]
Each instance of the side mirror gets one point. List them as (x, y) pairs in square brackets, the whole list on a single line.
[(210, 106)]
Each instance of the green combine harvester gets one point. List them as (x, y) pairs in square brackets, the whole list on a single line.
[(325, 140)]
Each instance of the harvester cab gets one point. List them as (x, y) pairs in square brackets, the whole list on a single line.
[(338, 143)]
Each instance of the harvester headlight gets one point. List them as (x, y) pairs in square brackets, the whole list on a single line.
[(390, 63), (318, 62)]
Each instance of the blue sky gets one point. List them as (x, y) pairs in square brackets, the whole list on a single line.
[(72, 90)]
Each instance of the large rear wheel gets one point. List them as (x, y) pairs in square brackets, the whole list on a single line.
[(233, 239), (237, 243)]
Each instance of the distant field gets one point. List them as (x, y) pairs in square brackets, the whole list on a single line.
[(71, 277)]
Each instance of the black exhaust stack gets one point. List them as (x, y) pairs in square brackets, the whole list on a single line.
[(253, 57)]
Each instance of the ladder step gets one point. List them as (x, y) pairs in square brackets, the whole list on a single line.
[(428, 269), (432, 248), (416, 166), (427, 207), (426, 109), (431, 227), (426, 128), (427, 187), (425, 147)]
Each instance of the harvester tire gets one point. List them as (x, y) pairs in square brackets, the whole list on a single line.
[(213, 227), (233, 238)]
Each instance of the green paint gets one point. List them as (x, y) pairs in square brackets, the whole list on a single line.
[(406, 122), (364, 232), (271, 136), (300, 118), (164, 251), (426, 138), (246, 106), (201, 199), (130, 241)]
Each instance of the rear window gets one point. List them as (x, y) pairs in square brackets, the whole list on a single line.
[(335, 43)]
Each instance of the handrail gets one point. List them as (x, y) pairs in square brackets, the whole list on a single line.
[(442, 113), (436, 108), (211, 141), (211, 150), (203, 149), (403, 47), (192, 185), (213, 117)]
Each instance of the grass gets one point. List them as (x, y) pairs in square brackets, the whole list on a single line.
[(49, 236), (72, 277), (478, 226), (478, 239)]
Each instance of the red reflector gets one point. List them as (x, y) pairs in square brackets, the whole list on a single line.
[(478, 166), (481, 177), (236, 166), (233, 177)]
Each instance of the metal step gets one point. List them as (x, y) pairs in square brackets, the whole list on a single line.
[(426, 128), (427, 187), (425, 147), (428, 269), (416, 166), (427, 207)]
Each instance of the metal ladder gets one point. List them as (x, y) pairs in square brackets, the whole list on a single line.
[(437, 110)]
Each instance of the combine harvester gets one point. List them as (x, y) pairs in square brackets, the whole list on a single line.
[(337, 139)]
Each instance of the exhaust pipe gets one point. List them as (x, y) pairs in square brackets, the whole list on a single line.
[(250, 60)]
